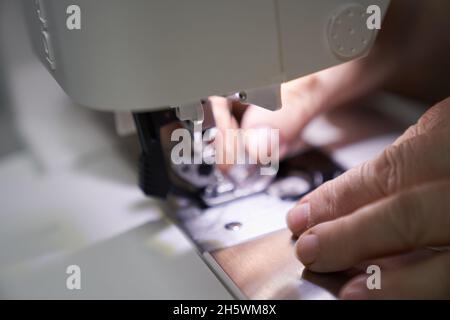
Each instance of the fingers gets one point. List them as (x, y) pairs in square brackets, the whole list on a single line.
[(305, 98), (302, 100), (417, 156), (409, 220), (417, 160), (428, 279), (224, 144)]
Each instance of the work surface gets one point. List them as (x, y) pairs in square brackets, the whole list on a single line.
[(68, 195), (257, 260), (91, 214), (266, 268)]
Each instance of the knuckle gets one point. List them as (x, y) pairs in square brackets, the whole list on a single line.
[(407, 219), (328, 195), (413, 131), (311, 82), (388, 171), (392, 168), (434, 116), (428, 120), (327, 200), (370, 179)]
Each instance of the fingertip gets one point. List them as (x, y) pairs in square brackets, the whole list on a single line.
[(307, 249), (298, 218)]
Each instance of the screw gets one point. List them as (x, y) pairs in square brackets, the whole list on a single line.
[(242, 96), (233, 226)]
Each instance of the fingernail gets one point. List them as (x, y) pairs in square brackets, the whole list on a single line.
[(298, 217), (355, 291), (308, 249)]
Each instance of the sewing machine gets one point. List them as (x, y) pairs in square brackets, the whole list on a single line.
[(161, 60)]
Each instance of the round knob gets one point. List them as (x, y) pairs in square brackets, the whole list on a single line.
[(348, 34)]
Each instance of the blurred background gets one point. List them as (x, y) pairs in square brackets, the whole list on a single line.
[(67, 183)]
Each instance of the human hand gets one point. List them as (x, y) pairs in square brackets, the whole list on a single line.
[(406, 57), (396, 203)]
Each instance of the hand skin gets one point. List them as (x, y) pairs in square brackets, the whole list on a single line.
[(396, 203), (407, 58)]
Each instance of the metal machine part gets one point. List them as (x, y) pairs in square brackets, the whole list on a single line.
[(246, 214), (199, 178), (268, 97)]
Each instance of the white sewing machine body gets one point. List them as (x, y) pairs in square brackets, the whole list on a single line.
[(143, 55)]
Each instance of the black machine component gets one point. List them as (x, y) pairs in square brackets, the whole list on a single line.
[(302, 173), (297, 175), (154, 178)]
